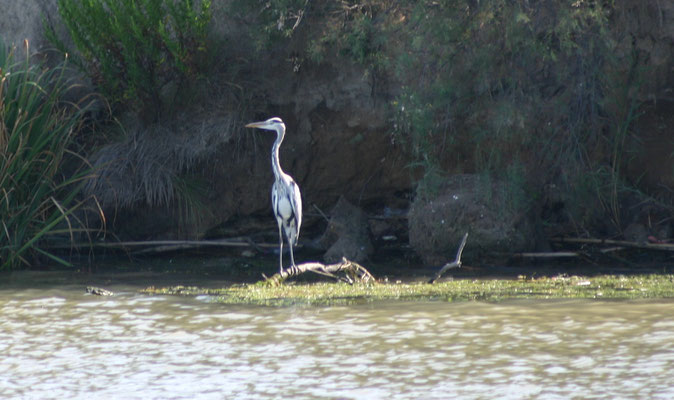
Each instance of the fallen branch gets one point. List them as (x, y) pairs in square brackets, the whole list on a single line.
[(96, 291), (620, 243), (159, 246), (454, 264), (192, 244), (353, 272), (549, 254)]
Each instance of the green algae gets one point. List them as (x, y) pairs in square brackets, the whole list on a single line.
[(491, 290)]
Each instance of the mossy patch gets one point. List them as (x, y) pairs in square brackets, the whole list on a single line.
[(560, 287)]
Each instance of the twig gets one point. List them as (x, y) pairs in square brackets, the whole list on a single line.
[(454, 264), (325, 217), (353, 271), (611, 249)]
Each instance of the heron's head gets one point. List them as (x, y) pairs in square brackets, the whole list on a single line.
[(272, 124)]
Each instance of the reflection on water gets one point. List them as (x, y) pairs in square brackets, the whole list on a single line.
[(59, 344)]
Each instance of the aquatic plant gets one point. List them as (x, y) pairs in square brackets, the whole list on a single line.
[(494, 290), (37, 200)]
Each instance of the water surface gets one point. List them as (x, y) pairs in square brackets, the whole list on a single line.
[(59, 343)]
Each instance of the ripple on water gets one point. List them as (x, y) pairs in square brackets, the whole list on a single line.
[(144, 347)]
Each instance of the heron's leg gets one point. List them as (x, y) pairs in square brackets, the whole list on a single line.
[(292, 256), (280, 249)]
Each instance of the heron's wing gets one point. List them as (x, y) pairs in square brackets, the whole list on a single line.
[(274, 197), (296, 203)]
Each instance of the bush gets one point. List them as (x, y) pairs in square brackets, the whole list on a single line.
[(133, 49), (348, 29), (492, 68), (494, 85), (36, 131)]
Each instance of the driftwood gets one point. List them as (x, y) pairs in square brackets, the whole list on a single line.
[(611, 248), (564, 254), (548, 254), (616, 243), (353, 272), (454, 264), (96, 291), (160, 246)]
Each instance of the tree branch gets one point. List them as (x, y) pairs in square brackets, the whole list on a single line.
[(454, 264), (622, 243), (353, 272)]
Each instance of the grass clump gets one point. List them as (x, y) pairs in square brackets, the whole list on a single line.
[(562, 287), (36, 135), (133, 50)]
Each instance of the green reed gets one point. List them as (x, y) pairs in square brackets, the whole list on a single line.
[(36, 134)]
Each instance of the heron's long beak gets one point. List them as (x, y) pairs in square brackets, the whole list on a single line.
[(255, 125)]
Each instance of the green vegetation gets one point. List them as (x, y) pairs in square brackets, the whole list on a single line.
[(524, 94), (574, 287), (275, 19), (36, 136), (135, 51), (527, 93), (348, 29), (146, 59), (513, 83)]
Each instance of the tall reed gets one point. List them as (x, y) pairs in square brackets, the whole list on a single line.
[(36, 133)]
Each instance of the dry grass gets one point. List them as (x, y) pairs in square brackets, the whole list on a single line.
[(146, 165)]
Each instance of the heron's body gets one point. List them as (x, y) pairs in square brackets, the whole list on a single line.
[(286, 199)]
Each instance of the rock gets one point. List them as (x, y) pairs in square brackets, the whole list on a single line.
[(23, 20), (379, 228), (493, 214), (650, 221), (346, 234), (636, 233)]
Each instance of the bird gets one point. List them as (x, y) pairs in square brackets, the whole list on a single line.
[(286, 198)]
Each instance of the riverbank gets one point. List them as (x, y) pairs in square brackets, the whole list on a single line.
[(553, 121)]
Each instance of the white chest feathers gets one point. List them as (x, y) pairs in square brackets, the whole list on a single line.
[(283, 208)]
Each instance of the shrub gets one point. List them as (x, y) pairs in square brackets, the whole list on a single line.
[(349, 29), (491, 68), (494, 84), (36, 131), (133, 49)]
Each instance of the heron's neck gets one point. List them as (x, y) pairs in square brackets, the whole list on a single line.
[(275, 160)]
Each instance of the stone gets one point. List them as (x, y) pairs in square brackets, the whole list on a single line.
[(489, 211), (347, 234)]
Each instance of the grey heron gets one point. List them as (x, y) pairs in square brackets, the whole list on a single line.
[(286, 199)]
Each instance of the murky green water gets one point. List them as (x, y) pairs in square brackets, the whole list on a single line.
[(59, 343)]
